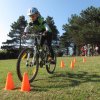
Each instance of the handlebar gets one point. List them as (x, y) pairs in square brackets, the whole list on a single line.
[(32, 35)]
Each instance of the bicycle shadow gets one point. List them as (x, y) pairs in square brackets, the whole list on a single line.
[(65, 80), (78, 78)]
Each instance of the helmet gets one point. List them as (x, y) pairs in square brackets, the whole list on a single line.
[(32, 11)]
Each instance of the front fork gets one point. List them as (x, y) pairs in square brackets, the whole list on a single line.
[(32, 62)]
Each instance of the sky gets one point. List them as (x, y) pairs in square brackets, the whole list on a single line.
[(60, 10)]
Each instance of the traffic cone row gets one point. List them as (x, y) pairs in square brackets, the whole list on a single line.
[(62, 65), (25, 82), (10, 83)]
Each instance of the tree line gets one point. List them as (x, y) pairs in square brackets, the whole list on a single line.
[(83, 28)]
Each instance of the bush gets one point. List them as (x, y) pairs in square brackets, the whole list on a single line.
[(59, 53), (13, 54)]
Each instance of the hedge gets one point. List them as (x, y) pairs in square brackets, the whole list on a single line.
[(9, 54)]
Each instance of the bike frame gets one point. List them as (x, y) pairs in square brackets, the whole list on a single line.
[(34, 61), (37, 51)]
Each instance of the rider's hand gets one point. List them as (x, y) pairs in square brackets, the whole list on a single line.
[(24, 34)]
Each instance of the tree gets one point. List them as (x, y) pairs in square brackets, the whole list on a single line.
[(15, 33), (51, 23), (84, 28), (91, 21)]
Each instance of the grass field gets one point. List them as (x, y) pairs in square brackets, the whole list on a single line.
[(81, 83)]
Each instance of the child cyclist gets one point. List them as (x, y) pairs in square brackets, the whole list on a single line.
[(38, 24)]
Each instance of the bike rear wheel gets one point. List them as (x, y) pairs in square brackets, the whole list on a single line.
[(27, 62), (50, 67)]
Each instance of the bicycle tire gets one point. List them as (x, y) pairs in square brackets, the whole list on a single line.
[(50, 69), (18, 67)]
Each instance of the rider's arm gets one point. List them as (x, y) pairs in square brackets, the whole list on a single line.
[(26, 30), (43, 22), (47, 28)]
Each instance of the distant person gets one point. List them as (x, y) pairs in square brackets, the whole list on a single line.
[(82, 51), (70, 49), (85, 50), (96, 50), (89, 48)]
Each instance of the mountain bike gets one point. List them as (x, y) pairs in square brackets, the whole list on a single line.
[(31, 58)]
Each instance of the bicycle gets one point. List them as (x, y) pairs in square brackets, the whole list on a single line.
[(31, 58)]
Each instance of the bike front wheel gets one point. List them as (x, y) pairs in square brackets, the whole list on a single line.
[(28, 62)]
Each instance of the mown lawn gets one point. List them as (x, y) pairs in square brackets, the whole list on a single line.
[(81, 83)]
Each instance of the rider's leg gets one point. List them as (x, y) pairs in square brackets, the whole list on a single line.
[(49, 41), (48, 38), (43, 38)]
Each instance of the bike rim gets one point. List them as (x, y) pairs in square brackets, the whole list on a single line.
[(51, 66), (26, 65)]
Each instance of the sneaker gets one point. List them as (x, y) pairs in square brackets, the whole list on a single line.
[(52, 61)]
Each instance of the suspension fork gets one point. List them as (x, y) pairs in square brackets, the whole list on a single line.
[(27, 61), (34, 54)]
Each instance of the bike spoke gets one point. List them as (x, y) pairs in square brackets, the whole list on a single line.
[(26, 64)]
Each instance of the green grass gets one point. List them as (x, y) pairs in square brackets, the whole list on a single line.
[(81, 83)]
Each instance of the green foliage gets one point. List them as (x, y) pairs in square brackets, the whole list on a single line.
[(17, 29), (51, 23), (6, 54), (84, 28)]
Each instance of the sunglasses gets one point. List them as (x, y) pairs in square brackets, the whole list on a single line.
[(33, 16)]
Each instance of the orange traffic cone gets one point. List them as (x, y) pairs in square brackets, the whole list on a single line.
[(84, 59), (72, 65), (74, 60), (25, 83), (9, 82), (62, 64)]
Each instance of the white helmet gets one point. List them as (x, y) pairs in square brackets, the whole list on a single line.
[(32, 11)]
